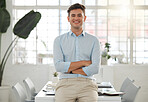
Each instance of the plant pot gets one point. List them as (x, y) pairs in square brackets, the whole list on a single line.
[(103, 61), (4, 93), (55, 79)]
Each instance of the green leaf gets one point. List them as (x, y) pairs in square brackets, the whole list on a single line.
[(2, 4), (26, 24), (4, 20)]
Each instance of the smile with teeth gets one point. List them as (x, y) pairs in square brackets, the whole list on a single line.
[(76, 22)]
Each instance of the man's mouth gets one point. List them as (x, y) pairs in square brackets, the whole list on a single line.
[(76, 22)]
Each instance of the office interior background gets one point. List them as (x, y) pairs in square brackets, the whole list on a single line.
[(121, 23)]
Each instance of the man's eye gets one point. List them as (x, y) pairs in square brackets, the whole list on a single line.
[(73, 15), (79, 15)]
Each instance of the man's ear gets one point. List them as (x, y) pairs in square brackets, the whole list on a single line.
[(84, 18), (68, 18)]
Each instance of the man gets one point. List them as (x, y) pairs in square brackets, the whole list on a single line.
[(77, 57)]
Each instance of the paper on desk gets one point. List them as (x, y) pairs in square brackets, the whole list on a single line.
[(50, 92), (105, 85), (111, 93)]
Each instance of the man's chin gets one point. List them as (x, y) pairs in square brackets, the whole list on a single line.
[(77, 27)]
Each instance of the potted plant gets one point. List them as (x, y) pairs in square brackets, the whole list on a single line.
[(55, 78), (21, 29), (55, 74), (105, 54)]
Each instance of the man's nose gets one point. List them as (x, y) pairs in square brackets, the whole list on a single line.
[(76, 17)]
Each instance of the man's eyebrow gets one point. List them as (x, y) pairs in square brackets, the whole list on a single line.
[(73, 14), (79, 14)]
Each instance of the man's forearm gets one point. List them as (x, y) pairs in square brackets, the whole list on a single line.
[(79, 71), (78, 64)]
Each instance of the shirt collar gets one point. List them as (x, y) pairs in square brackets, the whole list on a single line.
[(82, 34)]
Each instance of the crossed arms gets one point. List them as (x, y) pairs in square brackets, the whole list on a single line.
[(76, 67)]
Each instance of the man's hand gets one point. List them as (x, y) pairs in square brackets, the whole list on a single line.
[(78, 64), (79, 71), (87, 63)]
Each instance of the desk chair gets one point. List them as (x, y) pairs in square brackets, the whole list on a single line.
[(130, 93), (125, 84), (20, 93), (30, 88)]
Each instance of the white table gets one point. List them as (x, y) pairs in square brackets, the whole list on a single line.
[(42, 97)]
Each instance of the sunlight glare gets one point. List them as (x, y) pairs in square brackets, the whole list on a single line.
[(124, 11)]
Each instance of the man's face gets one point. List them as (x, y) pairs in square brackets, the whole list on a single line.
[(76, 18)]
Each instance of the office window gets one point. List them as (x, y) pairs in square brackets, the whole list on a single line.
[(140, 49), (122, 23)]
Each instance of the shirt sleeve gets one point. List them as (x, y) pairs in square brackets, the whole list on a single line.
[(95, 58), (58, 57)]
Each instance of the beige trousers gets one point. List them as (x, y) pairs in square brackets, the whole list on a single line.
[(72, 89)]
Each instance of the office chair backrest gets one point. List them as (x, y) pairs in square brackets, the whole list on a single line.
[(130, 93), (30, 88), (125, 84), (19, 93)]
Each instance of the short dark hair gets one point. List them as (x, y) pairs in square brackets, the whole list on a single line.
[(76, 6)]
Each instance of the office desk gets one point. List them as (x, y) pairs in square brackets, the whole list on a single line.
[(43, 97)]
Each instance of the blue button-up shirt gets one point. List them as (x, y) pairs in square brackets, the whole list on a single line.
[(71, 48)]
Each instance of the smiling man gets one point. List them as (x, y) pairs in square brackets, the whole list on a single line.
[(77, 58)]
